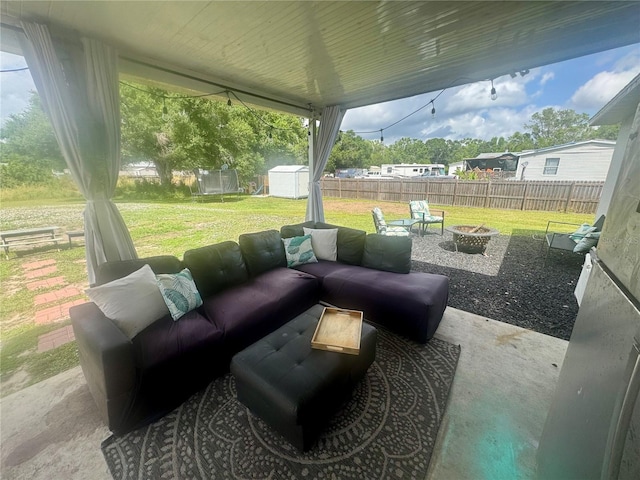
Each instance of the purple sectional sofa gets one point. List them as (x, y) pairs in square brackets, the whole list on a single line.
[(247, 292)]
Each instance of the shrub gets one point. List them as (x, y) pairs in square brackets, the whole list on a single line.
[(56, 188), (19, 171), (145, 189)]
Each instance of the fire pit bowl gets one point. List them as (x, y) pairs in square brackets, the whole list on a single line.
[(471, 238)]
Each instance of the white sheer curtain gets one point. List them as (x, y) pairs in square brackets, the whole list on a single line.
[(329, 125), (78, 84)]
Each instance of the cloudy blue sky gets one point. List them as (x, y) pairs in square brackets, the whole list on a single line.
[(583, 84)]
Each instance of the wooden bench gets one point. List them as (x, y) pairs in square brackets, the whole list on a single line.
[(28, 236), (74, 234)]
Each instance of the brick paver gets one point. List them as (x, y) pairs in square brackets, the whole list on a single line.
[(56, 295), (41, 272), (56, 338), (39, 264), (56, 313), (47, 282)]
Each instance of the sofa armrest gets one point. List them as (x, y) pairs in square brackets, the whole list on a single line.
[(107, 360)]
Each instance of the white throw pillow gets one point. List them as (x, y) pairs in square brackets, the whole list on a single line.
[(133, 302), (324, 242)]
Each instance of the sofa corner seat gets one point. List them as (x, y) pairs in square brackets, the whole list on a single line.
[(246, 313)]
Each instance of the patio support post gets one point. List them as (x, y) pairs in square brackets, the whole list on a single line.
[(312, 140), (320, 146), (77, 80)]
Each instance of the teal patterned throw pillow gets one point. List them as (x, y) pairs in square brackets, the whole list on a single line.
[(299, 251), (179, 292)]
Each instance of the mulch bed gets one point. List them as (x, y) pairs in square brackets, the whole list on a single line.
[(512, 283)]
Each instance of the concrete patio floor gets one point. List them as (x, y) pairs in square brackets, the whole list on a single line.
[(502, 390)]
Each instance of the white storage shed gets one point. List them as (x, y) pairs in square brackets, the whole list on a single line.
[(289, 181)]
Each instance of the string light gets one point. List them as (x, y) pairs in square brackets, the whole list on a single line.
[(381, 137), (494, 94), (228, 100), (433, 109), (430, 102)]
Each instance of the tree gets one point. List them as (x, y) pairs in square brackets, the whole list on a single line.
[(379, 154), (280, 139), (349, 151), (557, 127), (408, 150), (439, 150), (198, 132), (519, 142), (28, 137), (605, 132), (144, 128)]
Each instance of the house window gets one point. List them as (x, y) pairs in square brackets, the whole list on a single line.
[(551, 166), (389, 169)]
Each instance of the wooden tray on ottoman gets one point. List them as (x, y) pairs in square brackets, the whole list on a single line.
[(338, 330)]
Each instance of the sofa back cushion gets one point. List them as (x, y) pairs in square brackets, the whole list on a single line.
[(297, 230), (350, 240), (391, 254), (262, 251), (350, 243), (110, 271), (216, 267)]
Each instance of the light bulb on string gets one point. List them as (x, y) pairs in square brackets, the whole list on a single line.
[(433, 109), (228, 100), (494, 94), (381, 137)]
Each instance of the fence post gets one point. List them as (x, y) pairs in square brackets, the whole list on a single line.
[(524, 195), (357, 188), (566, 203), (401, 188), (339, 187), (455, 189), (378, 194), (486, 194)]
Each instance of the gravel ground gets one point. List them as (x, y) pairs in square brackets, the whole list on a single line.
[(511, 283)]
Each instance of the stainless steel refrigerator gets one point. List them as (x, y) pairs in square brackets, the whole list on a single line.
[(592, 429)]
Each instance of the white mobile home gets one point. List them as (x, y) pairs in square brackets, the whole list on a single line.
[(412, 169), (586, 161), (289, 181)]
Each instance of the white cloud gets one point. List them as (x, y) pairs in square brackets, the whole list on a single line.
[(601, 88), (487, 123), (597, 91), (546, 77), (511, 92)]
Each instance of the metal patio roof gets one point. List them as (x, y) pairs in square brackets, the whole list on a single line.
[(298, 55)]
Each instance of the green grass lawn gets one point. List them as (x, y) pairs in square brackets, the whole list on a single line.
[(171, 228)]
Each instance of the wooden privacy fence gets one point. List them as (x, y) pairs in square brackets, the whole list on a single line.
[(579, 197)]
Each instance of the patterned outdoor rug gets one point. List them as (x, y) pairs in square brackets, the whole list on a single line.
[(387, 429)]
